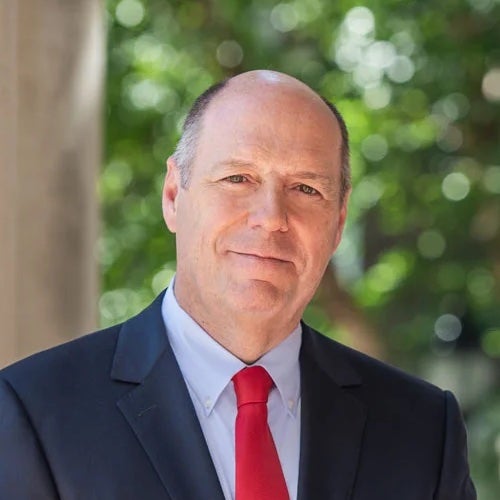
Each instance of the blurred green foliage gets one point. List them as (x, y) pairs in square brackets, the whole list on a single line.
[(418, 83)]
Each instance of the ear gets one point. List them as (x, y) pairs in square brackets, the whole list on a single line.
[(170, 193), (341, 221)]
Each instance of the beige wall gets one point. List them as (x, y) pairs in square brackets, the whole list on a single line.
[(51, 75)]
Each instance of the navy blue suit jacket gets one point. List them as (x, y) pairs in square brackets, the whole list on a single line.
[(108, 416)]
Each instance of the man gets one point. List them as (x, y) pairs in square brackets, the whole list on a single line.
[(157, 407)]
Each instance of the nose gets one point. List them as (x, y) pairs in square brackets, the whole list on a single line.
[(269, 210)]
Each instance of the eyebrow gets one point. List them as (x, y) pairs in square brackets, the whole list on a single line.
[(327, 183), (234, 163), (308, 175)]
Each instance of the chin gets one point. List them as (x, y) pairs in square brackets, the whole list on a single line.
[(257, 296)]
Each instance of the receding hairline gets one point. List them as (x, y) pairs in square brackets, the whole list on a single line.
[(185, 151), (254, 82)]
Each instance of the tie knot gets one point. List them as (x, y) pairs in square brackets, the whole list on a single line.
[(252, 385)]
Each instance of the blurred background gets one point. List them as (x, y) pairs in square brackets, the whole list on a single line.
[(416, 281)]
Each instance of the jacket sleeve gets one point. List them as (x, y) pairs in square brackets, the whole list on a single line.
[(455, 481), (24, 471)]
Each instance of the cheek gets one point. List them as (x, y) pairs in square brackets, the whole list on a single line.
[(221, 213), (198, 225), (319, 240)]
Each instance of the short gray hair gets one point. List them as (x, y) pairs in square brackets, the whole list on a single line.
[(185, 150)]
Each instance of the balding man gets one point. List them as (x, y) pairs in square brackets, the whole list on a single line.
[(218, 390)]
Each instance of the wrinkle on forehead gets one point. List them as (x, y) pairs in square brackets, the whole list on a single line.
[(264, 116)]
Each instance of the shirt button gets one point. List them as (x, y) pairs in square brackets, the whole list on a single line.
[(290, 403), (208, 403)]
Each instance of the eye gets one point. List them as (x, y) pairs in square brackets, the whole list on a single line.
[(304, 188), (236, 178)]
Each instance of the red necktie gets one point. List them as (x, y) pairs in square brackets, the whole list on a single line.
[(258, 469)]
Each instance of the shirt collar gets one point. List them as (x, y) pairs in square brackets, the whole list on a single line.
[(208, 367)]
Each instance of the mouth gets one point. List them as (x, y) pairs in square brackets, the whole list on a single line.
[(263, 257)]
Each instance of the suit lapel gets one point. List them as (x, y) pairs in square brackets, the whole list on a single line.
[(332, 422), (160, 411)]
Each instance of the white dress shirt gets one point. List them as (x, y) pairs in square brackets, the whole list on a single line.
[(207, 368)]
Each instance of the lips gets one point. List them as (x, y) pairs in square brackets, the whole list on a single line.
[(263, 256)]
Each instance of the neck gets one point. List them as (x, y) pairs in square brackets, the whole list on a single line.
[(248, 344), (248, 336), (247, 340)]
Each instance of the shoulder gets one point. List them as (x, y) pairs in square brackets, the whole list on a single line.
[(64, 366), (95, 366), (377, 383), (403, 417)]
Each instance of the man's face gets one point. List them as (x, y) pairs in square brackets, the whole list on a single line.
[(261, 215)]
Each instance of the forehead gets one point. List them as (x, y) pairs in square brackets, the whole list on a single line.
[(267, 121)]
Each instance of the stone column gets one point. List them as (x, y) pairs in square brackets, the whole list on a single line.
[(51, 78)]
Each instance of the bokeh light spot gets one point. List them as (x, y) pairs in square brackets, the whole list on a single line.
[(450, 139), (431, 244), (367, 76), (448, 327), (360, 20), (453, 106), (163, 277), (229, 53), (401, 70), (480, 282), (491, 179), (115, 177), (491, 85), (455, 186), (404, 43), (284, 18), (347, 56), (119, 304), (388, 273), (490, 342), (380, 54), (374, 147), (145, 94), (367, 192), (482, 6), (383, 277), (377, 97), (129, 13)]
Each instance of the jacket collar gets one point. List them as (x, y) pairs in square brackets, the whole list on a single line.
[(141, 342), (333, 420), (159, 409)]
